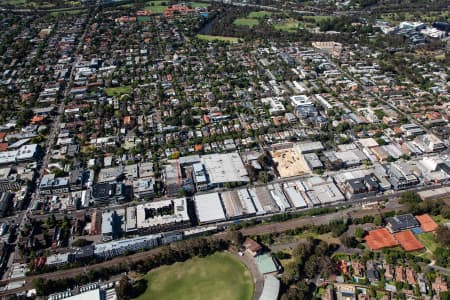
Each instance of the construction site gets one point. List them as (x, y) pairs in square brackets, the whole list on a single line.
[(289, 161)]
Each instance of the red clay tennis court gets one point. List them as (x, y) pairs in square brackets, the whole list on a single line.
[(380, 238), (427, 223), (408, 241)]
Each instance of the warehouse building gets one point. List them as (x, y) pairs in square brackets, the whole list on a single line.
[(209, 208), (224, 168)]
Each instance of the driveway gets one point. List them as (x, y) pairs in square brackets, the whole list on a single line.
[(258, 278)]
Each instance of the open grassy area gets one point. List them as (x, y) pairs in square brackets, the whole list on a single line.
[(217, 38), (157, 9), (198, 5), (259, 14), (428, 240), (158, 6), (33, 4), (440, 219), (287, 25), (218, 277), (14, 2), (246, 22), (117, 91), (316, 18), (67, 12)]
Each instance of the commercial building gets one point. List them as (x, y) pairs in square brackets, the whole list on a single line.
[(109, 225), (50, 184), (401, 222), (412, 130), (109, 192), (144, 188), (296, 197), (276, 105), (24, 153), (429, 143), (279, 197), (161, 215), (313, 161), (238, 204), (200, 177), (322, 192), (95, 294), (117, 248), (172, 178), (5, 203), (209, 208), (110, 174), (225, 168), (401, 175), (308, 147)]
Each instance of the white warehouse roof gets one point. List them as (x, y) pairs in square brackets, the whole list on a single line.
[(209, 208)]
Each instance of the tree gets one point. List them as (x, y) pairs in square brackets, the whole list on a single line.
[(409, 197), (51, 221), (348, 241), (443, 235), (444, 295), (236, 237), (124, 288), (81, 243), (39, 285), (445, 211), (359, 232)]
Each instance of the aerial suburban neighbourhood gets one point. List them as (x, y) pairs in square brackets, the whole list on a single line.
[(227, 150)]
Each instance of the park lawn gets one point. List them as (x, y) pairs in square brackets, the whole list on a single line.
[(117, 91), (288, 25), (198, 5), (14, 2), (428, 240), (144, 18), (259, 14), (316, 18), (157, 9), (246, 22), (67, 12), (126, 5), (287, 239), (218, 277), (213, 38)]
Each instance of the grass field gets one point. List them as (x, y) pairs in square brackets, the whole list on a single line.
[(198, 5), (158, 7), (14, 2), (246, 22), (440, 219), (67, 12), (117, 91), (316, 18), (288, 25), (259, 14), (430, 16), (428, 240), (216, 277), (212, 38)]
